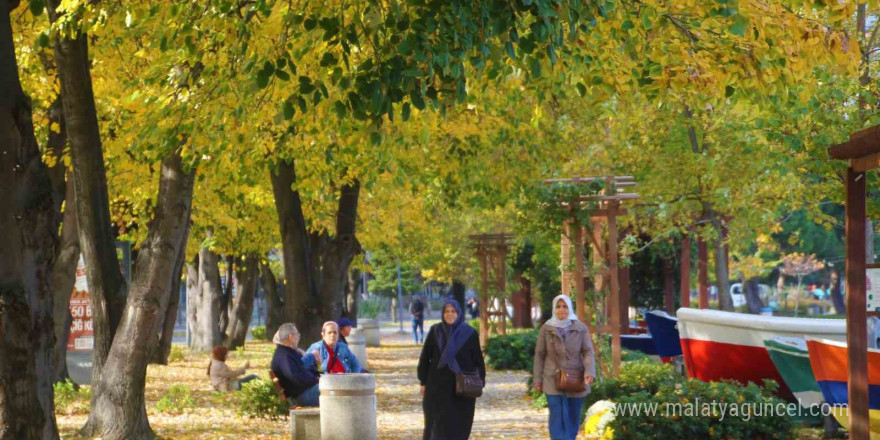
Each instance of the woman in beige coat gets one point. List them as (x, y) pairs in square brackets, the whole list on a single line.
[(563, 343)]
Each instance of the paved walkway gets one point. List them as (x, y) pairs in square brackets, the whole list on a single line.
[(503, 412)]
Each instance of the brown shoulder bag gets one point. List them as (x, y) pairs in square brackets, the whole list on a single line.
[(571, 381)]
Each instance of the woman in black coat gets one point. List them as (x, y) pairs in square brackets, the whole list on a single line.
[(451, 347)]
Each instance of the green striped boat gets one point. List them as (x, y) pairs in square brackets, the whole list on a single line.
[(790, 357)]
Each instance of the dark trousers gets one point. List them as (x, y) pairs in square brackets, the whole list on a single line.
[(418, 325)]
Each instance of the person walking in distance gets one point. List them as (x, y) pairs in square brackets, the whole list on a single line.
[(417, 312)]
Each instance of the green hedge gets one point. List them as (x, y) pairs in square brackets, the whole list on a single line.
[(702, 423), (513, 351), (644, 381)]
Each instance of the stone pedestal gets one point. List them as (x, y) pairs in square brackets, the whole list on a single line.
[(370, 327), (348, 402), (357, 343), (305, 424)]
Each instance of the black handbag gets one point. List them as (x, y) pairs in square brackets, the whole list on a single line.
[(468, 385)]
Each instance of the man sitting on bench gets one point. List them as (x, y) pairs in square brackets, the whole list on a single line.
[(300, 382)]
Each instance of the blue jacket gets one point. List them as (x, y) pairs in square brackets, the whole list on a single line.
[(294, 376), (345, 356)]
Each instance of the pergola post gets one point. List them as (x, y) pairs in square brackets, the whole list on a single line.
[(614, 299), (856, 320), (862, 151), (484, 298)]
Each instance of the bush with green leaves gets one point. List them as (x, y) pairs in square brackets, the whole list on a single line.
[(371, 308), (258, 399), (513, 351), (259, 332), (71, 399), (175, 400), (697, 410)]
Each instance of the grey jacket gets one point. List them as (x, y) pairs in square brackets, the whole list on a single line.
[(575, 353)]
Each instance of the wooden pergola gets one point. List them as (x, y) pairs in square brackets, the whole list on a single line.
[(492, 251), (604, 255), (863, 153)]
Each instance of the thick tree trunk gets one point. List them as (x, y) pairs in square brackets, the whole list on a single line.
[(107, 288), (205, 303), (118, 410), (339, 253), (302, 305), (28, 242), (226, 298), (243, 309), (165, 334), (753, 295)]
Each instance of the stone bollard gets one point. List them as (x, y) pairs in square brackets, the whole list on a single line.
[(348, 405), (370, 327), (305, 424), (357, 343)]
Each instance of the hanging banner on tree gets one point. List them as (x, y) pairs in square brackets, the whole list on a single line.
[(81, 331), (81, 342)]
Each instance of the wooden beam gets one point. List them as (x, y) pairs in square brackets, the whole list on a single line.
[(565, 245), (856, 313), (685, 272), (866, 163), (578, 274), (862, 143), (614, 299), (484, 301), (703, 272)]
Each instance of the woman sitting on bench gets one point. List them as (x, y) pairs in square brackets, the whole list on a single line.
[(330, 354)]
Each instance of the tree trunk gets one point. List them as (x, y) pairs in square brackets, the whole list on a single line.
[(118, 410), (301, 302), (107, 288), (753, 295), (28, 242), (206, 303), (192, 294), (165, 336), (63, 280), (722, 277), (274, 306), (226, 298), (668, 286), (352, 296), (457, 292), (243, 309), (339, 253), (67, 257)]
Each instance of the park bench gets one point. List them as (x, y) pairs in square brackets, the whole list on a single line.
[(305, 422)]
